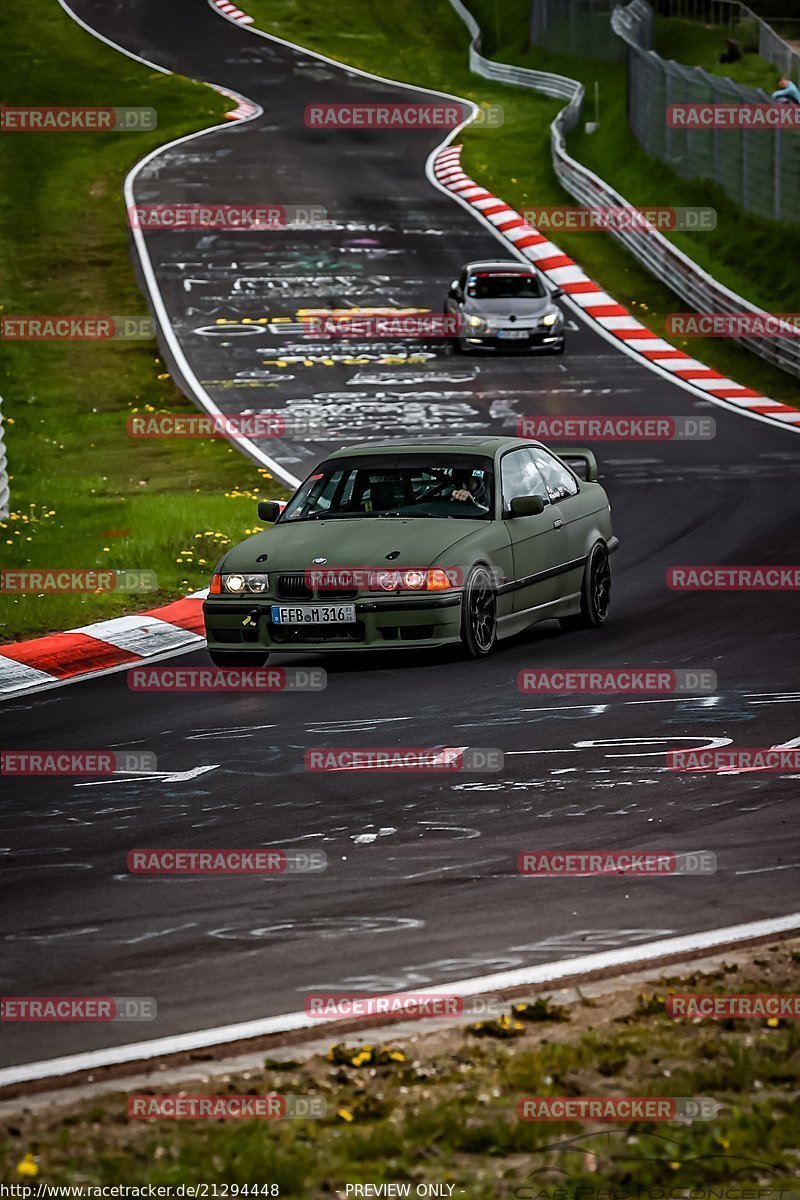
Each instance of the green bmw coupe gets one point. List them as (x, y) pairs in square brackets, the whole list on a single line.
[(418, 544)]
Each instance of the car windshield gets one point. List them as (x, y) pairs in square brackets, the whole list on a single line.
[(506, 285), (427, 486)]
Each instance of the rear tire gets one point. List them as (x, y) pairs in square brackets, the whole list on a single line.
[(226, 658), (479, 614), (595, 592)]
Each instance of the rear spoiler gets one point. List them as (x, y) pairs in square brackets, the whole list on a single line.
[(579, 459)]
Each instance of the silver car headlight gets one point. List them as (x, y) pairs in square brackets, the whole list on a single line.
[(475, 322), (237, 585), (549, 319)]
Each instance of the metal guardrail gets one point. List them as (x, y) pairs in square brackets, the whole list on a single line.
[(5, 498), (771, 46), (648, 246), (551, 85), (580, 28), (758, 169)]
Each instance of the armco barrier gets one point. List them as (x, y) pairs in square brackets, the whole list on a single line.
[(727, 14), (5, 497), (758, 169), (649, 247)]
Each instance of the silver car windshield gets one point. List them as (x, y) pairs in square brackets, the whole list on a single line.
[(508, 285)]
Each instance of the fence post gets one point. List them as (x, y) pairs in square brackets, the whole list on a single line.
[(4, 485)]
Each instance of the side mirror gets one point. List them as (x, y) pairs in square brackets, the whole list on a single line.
[(269, 510), (558, 292), (527, 506)]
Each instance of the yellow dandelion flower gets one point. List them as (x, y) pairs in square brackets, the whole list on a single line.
[(28, 1167), (344, 1113)]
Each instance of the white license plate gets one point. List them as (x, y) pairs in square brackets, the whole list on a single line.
[(313, 614), (513, 333)]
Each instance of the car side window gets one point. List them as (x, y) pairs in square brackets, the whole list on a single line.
[(560, 482), (520, 477)]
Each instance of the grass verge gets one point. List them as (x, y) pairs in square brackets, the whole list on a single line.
[(699, 45), (83, 494), (427, 45), (441, 1108)]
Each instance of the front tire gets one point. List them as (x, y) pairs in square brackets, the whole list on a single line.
[(225, 658), (595, 592), (479, 614)]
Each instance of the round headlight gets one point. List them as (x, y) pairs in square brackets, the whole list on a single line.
[(389, 580), (414, 579), (549, 319), (256, 583), (234, 583), (474, 322)]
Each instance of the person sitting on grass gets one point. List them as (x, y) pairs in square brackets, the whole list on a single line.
[(732, 52)]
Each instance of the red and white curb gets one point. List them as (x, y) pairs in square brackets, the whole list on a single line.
[(232, 12), (245, 109), (597, 304), (102, 648)]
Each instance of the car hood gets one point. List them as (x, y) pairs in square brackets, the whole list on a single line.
[(505, 308), (352, 542)]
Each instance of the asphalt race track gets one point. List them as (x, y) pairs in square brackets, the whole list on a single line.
[(422, 885)]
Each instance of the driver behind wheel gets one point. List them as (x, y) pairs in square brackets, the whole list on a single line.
[(468, 489)]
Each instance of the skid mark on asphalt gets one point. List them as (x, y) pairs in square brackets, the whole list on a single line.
[(570, 945), (326, 928)]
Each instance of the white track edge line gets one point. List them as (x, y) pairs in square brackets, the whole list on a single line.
[(201, 396), (535, 975), (114, 45), (618, 343)]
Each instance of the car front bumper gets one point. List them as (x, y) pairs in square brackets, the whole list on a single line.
[(383, 623), (536, 339)]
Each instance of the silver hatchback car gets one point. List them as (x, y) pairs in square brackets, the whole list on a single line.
[(505, 305)]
